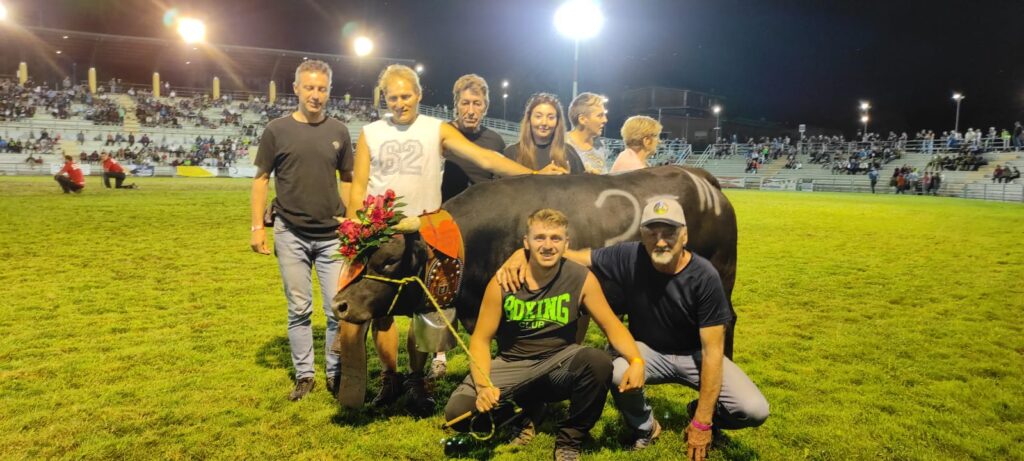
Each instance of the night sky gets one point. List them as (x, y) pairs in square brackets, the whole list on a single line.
[(785, 61)]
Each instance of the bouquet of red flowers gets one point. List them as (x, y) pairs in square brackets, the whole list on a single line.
[(373, 226)]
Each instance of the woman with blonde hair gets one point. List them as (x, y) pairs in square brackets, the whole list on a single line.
[(542, 137), (641, 134)]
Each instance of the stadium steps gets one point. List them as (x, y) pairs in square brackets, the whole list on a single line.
[(773, 168), (69, 147), (999, 158), (131, 122)]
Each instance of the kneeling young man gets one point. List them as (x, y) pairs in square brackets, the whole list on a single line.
[(678, 313), (538, 358)]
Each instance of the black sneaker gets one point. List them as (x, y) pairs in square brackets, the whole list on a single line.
[(390, 388), (567, 453), (644, 439), (421, 404), (302, 387)]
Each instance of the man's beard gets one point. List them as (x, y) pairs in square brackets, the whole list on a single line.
[(662, 257)]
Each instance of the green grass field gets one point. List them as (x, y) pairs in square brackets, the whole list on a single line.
[(138, 324)]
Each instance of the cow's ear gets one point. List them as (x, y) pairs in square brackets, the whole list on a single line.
[(418, 253)]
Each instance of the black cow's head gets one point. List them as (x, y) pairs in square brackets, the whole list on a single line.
[(364, 298)]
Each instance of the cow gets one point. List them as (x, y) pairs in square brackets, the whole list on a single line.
[(602, 210)]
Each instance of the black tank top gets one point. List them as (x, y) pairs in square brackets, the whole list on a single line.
[(537, 324)]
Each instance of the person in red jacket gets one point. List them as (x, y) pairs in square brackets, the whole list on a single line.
[(112, 169), (70, 178)]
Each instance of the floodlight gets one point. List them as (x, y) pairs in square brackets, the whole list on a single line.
[(504, 83), (419, 68), (864, 119), (363, 46), (864, 105), (717, 109), (191, 30), (957, 96), (579, 19)]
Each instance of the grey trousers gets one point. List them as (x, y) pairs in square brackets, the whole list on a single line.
[(297, 257), (580, 374), (740, 403)]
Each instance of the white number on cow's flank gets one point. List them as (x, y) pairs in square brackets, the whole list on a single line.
[(636, 213), (708, 194)]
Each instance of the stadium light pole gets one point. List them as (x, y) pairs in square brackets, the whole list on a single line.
[(864, 108), (718, 121), (363, 46), (504, 99), (578, 20), (419, 68), (958, 97), (504, 106), (192, 30)]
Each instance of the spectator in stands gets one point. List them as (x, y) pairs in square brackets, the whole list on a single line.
[(1005, 136), (542, 137), (997, 175), (112, 169), (70, 177), (588, 116), (641, 135), (471, 97), (1018, 136), (936, 182)]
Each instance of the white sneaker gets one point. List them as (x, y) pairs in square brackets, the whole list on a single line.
[(438, 368)]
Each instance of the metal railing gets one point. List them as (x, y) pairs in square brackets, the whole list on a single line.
[(1000, 192), (916, 146)]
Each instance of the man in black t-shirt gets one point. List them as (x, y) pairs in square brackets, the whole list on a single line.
[(678, 313), (308, 153), (538, 358), (471, 103)]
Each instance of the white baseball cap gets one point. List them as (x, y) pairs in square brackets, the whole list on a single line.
[(663, 210)]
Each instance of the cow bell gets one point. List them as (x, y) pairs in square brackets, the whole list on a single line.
[(431, 330)]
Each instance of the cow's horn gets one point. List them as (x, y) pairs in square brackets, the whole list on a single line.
[(407, 225)]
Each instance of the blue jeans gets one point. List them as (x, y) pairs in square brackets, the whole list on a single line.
[(740, 403), (296, 257)]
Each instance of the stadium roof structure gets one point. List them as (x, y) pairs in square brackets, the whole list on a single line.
[(52, 53)]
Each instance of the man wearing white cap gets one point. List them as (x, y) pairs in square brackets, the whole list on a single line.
[(678, 314)]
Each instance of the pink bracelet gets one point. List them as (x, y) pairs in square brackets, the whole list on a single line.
[(698, 425)]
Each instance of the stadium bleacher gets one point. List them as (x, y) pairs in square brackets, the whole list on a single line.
[(246, 114)]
